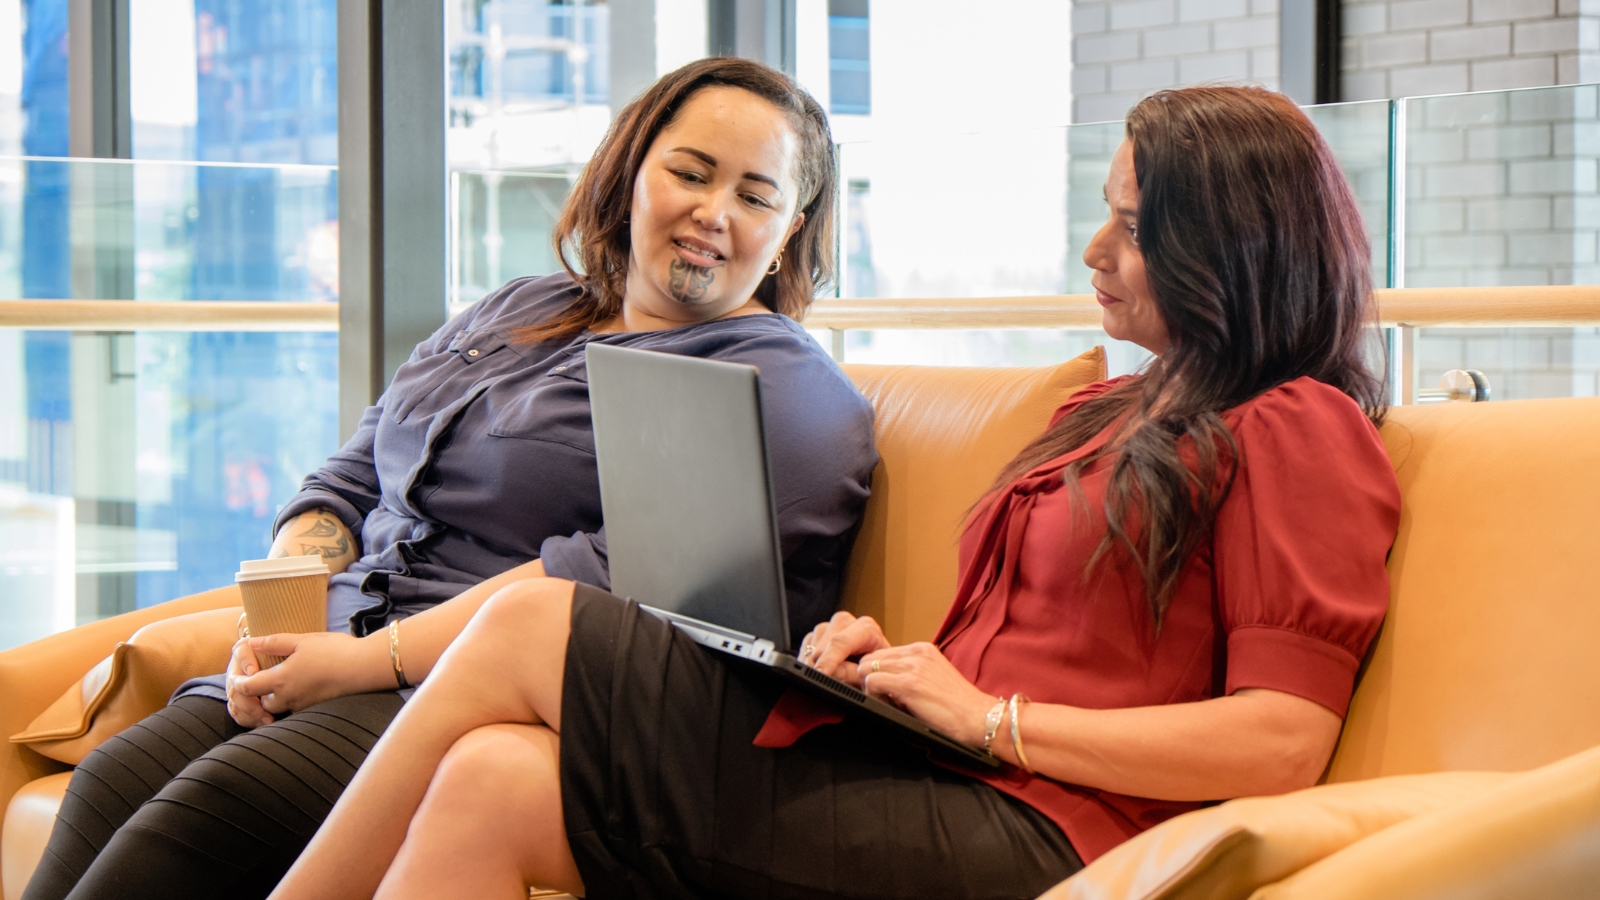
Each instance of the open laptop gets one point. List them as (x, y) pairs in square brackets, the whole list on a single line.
[(691, 525)]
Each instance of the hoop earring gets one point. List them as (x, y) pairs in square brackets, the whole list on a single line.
[(777, 264)]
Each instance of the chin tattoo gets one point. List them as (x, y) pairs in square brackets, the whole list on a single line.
[(688, 283)]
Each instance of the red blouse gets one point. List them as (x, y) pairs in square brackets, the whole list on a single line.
[(1287, 595)]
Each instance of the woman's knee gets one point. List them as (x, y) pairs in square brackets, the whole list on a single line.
[(497, 793), (533, 603), (511, 768)]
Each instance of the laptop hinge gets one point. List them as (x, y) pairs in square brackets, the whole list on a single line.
[(746, 646)]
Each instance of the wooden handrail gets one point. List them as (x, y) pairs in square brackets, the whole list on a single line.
[(188, 315), (1548, 306), (1475, 307)]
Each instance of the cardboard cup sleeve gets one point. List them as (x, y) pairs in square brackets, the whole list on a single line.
[(293, 605)]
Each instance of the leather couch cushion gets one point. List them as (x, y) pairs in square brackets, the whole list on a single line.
[(29, 817), (943, 435), (135, 680), (1228, 851), (1536, 835), (1487, 658)]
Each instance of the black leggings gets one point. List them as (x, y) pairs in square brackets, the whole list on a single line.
[(189, 804)]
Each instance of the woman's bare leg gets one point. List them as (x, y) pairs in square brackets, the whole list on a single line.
[(491, 824), (506, 667)]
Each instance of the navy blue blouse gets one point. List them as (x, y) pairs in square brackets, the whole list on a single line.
[(480, 457)]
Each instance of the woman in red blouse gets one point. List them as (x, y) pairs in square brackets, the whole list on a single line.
[(1164, 600)]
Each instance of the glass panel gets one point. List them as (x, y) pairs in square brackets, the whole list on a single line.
[(528, 82), (1358, 134), (1501, 189), (117, 230), (139, 467), (500, 226), (1004, 233), (222, 80), (12, 53)]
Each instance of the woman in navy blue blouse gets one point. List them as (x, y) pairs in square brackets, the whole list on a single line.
[(705, 226)]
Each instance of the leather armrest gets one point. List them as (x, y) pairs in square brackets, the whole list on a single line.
[(34, 675), (29, 818), (1534, 836)]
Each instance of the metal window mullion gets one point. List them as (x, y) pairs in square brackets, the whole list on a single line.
[(1403, 338), (100, 119), (393, 220)]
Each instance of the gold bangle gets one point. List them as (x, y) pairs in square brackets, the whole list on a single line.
[(1016, 730), (394, 655)]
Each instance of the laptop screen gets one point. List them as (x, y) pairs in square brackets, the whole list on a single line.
[(691, 526)]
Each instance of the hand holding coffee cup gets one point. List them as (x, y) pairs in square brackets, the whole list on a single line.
[(285, 595)]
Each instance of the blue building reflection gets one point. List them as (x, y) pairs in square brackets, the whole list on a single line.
[(249, 413), (263, 407), (46, 246)]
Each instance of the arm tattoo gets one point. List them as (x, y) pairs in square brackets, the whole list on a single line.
[(688, 283), (324, 526), (327, 551), (328, 539)]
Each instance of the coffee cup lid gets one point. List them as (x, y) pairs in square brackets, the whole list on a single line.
[(280, 567)]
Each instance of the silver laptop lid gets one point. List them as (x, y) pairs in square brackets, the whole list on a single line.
[(691, 526)]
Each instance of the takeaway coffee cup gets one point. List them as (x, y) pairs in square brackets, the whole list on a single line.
[(287, 595)]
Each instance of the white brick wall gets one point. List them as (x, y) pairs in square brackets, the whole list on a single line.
[(1125, 49), (1403, 48), (1505, 189)]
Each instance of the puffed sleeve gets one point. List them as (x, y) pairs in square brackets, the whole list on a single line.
[(1301, 543)]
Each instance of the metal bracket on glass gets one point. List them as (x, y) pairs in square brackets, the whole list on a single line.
[(1458, 386)]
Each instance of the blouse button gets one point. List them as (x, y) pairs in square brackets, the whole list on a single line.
[(472, 353), (559, 369)]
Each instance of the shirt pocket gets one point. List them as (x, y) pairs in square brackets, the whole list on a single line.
[(418, 380), (555, 409)]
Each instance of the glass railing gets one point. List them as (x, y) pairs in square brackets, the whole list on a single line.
[(500, 228), (1500, 189), (1011, 215), (141, 465)]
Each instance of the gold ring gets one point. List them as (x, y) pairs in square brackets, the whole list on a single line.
[(874, 667)]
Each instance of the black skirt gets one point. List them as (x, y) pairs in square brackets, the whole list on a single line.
[(664, 795)]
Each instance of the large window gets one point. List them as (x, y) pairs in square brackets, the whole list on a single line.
[(137, 467)]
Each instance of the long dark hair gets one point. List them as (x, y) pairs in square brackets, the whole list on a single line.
[(594, 222), (1258, 263)]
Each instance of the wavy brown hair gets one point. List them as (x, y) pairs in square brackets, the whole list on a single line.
[(1258, 263), (594, 223)]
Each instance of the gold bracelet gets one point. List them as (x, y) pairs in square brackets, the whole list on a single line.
[(394, 655), (1016, 730)]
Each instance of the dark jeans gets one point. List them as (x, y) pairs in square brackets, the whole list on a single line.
[(189, 804)]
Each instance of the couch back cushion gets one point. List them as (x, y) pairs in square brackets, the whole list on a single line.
[(1488, 658), (943, 434)]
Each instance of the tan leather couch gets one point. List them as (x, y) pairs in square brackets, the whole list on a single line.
[(1489, 658)]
